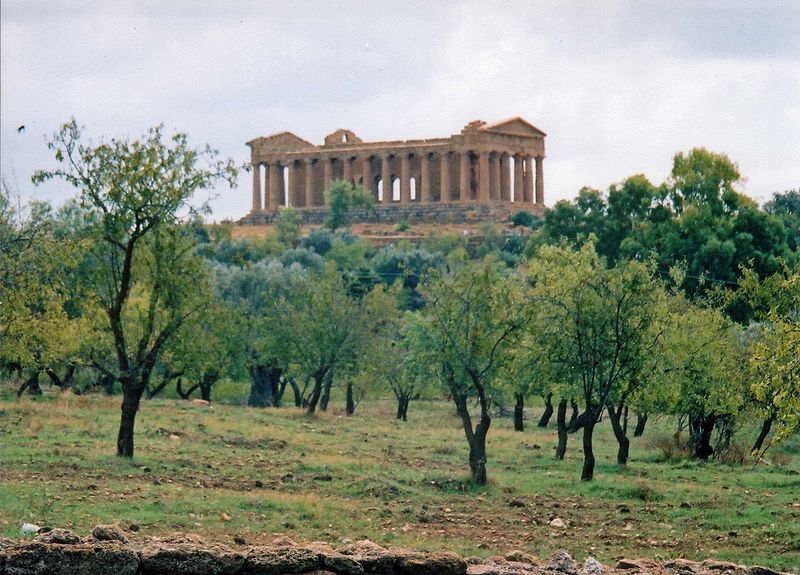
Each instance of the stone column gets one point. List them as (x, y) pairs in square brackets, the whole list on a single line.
[(256, 187), (405, 180), (309, 182), (464, 191), (347, 175), (518, 178), (528, 179), (444, 177), (539, 180), (484, 192), (291, 184), (505, 178), (386, 178), (494, 173), (267, 183), (275, 188), (366, 175), (326, 179), (424, 188)]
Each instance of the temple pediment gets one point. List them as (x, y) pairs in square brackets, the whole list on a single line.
[(514, 127), (283, 142)]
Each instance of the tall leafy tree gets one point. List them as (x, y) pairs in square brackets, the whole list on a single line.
[(472, 319), (596, 325), (775, 356), (139, 190)]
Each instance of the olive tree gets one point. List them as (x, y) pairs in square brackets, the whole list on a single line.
[(139, 189), (596, 325), (472, 318)]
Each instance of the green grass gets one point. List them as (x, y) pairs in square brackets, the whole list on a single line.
[(235, 471)]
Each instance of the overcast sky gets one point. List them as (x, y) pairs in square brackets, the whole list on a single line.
[(619, 87)]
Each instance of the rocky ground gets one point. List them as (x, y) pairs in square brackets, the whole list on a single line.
[(109, 551)]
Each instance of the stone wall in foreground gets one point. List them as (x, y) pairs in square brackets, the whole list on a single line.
[(109, 552), (454, 213)]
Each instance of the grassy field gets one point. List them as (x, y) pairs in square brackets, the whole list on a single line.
[(235, 471)]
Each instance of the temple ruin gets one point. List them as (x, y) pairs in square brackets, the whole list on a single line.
[(497, 167)]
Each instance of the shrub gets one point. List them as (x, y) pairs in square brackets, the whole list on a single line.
[(402, 226), (523, 218), (671, 446)]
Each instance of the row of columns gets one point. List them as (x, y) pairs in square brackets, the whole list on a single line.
[(482, 176)]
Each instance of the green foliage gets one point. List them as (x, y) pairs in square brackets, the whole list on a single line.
[(343, 197), (786, 206), (707, 178), (402, 226), (523, 218), (144, 272), (288, 227), (775, 356), (36, 292), (319, 241)]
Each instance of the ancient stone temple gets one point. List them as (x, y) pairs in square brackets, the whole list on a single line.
[(495, 166)]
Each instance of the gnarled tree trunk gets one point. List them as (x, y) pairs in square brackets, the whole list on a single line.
[(298, 395), (573, 419), (519, 412), (700, 429), (319, 380), (261, 387), (766, 425), (131, 397), (548, 411), (326, 391), (641, 422), (31, 384), (402, 406), (588, 452), (350, 404), (561, 422), (620, 432)]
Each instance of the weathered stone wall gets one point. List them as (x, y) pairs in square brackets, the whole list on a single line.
[(109, 552), (412, 213)]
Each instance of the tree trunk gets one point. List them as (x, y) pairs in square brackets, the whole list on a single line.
[(625, 420), (477, 459), (765, 427), (298, 397), (184, 394), (350, 404), (548, 411), (519, 413), (700, 430), (315, 393), (65, 383), (624, 443), (326, 391), (107, 383), (261, 388), (476, 439), (574, 417), (130, 407), (154, 391), (641, 421), (31, 384), (561, 421), (208, 381), (281, 390), (588, 453), (402, 407), (274, 374)]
